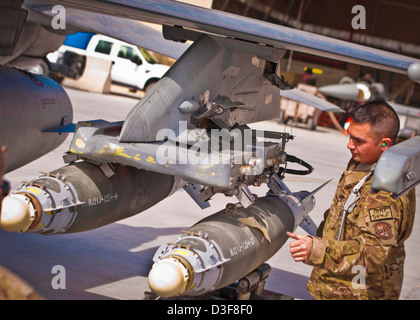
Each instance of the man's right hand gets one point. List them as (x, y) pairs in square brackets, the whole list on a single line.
[(301, 248)]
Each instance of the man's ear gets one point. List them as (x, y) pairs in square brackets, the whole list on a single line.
[(386, 143)]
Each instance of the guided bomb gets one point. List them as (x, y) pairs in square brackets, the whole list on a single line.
[(83, 196), (228, 245)]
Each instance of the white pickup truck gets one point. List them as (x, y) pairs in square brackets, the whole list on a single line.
[(132, 66)]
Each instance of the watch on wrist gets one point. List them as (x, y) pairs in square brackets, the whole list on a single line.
[(5, 188)]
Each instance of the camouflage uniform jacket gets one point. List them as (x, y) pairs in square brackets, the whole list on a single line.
[(14, 288), (368, 263)]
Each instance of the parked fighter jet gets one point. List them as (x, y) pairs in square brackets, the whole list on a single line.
[(355, 92), (190, 130), (362, 91)]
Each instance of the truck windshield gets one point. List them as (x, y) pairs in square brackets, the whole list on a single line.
[(126, 53), (147, 56)]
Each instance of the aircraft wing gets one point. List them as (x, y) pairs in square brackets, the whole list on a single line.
[(211, 21), (405, 110), (130, 31), (301, 96)]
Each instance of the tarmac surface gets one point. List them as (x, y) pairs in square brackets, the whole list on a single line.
[(113, 262)]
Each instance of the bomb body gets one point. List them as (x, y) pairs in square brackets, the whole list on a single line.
[(83, 196), (222, 248)]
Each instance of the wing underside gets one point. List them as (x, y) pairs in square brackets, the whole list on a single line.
[(174, 13)]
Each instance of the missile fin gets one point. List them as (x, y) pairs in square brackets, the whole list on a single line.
[(309, 226), (316, 190), (307, 223), (65, 128)]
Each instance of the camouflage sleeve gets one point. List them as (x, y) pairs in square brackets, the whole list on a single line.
[(14, 288), (320, 229), (335, 256), (341, 256)]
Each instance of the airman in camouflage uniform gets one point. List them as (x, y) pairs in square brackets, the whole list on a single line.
[(373, 238), (14, 288), (367, 262)]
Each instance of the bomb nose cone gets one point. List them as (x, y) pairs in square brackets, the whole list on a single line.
[(17, 214), (168, 278), (347, 91)]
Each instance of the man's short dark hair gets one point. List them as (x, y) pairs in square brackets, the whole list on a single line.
[(383, 119)]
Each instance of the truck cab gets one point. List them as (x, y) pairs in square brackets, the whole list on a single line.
[(131, 66)]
